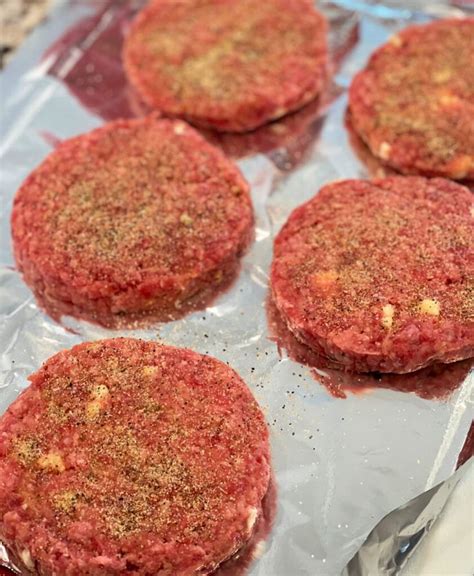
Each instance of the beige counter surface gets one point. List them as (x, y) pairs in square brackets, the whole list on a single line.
[(17, 20)]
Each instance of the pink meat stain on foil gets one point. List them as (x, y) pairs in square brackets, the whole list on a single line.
[(467, 450), (436, 382), (50, 138), (88, 60)]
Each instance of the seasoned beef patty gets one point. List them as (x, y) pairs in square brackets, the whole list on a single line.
[(129, 457), (379, 275), (136, 218), (229, 64), (413, 104)]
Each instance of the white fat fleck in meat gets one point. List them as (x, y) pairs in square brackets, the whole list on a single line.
[(179, 128), (388, 312), (99, 395), (150, 370), (251, 518), (429, 306), (384, 150), (443, 75), (52, 462), (26, 558), (259, 550), (396, 40)]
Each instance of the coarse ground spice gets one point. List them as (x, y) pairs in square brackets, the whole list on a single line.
[(379, 275), (125, 456), (137, 218), (229, 64), (413, 104)]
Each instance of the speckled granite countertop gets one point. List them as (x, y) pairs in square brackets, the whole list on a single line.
[(17, 19)]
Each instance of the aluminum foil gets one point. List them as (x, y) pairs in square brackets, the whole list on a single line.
[(398, 536), (340, 464)]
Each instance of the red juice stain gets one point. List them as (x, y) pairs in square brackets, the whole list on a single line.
[(433, 382), (468, 449), (88, 60), (50, 138), (343, 34), (286, 140)]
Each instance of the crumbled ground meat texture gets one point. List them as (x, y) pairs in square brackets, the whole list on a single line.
[(128, 457), (133, 218), (413, 104), (229, 64), (379, 275)]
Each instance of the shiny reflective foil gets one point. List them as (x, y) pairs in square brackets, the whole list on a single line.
[(341, 461)]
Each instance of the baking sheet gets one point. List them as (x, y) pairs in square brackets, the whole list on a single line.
[(340, 464)]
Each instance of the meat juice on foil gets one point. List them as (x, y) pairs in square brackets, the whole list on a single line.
[(346, 450)]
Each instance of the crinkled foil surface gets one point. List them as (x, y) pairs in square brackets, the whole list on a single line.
[(340, 464)]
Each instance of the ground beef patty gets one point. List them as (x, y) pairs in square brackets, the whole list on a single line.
[(413, 104), (133, 218), (379, 275), (128, 457), (229, 64)]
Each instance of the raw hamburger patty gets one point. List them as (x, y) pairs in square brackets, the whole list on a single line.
[(229, 64), (379, 275), (413, 104), (134, 217), (128, 457)]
